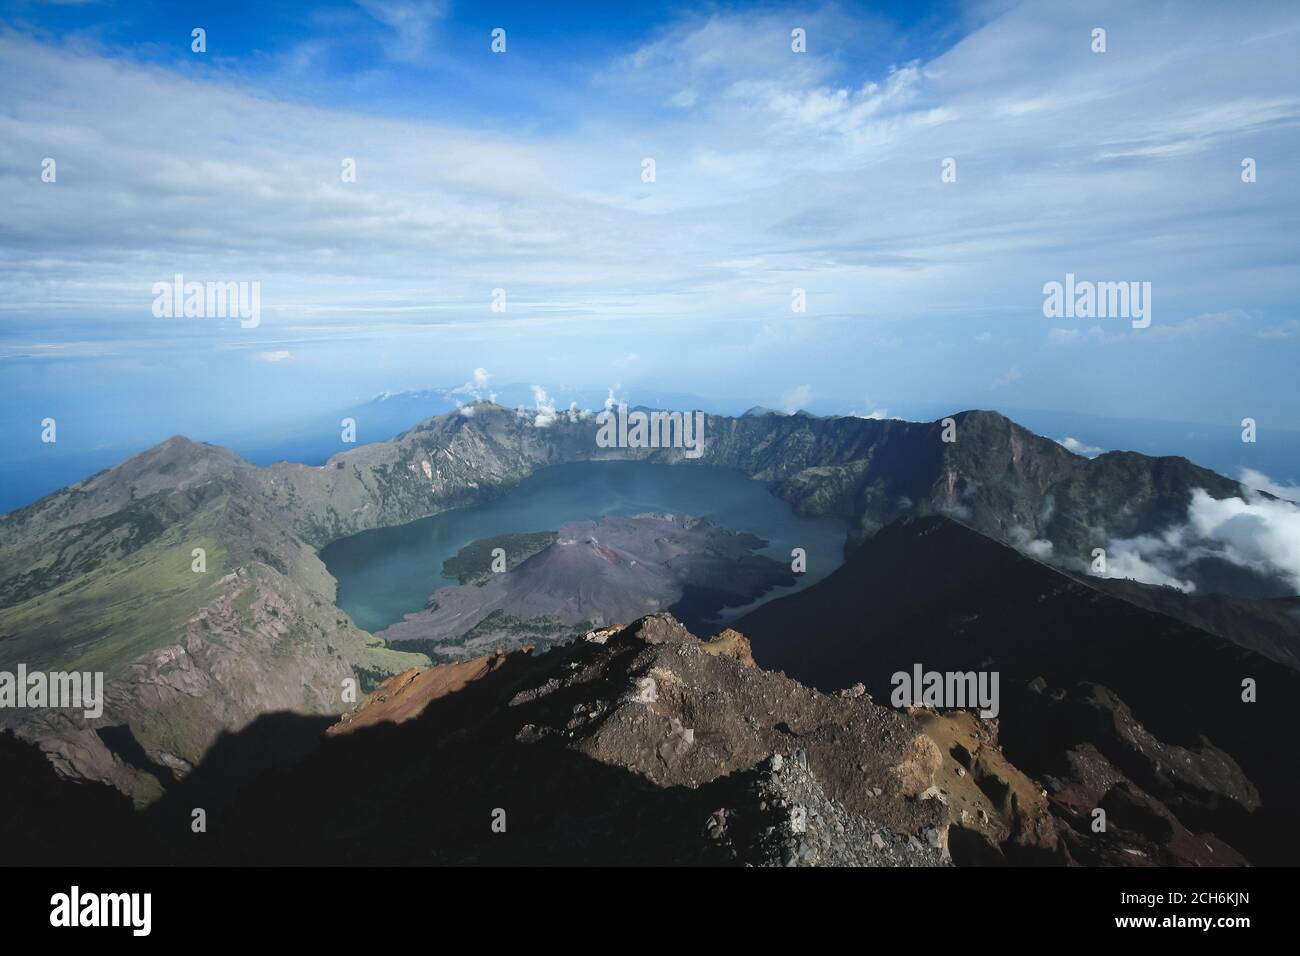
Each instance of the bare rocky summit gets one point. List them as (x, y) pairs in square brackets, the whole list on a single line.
[(633, 745), (643, 745)]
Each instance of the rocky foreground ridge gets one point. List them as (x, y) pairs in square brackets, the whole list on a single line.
[(632, 745), (639, 745)]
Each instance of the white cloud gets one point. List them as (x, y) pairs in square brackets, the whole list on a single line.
[(1144, 559), (545, 408), (1256, 533), (766, 161), (1262, 482), (613, 400), (476, 388), (411, 23), (1079, 448), (1023, 539), (277, 356)]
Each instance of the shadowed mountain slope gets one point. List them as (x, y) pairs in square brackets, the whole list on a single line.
[(932, 592), (637, 745)]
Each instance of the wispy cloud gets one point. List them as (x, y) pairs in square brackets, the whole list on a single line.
[(1258, 534), (411, 22), (1011, 375), (1262, 482), (775, 170), (1204, 324)]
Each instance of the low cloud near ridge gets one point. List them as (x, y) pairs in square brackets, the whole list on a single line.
[(1254, 532), (1080, 448)]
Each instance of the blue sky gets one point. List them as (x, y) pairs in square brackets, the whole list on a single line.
[(523, 171)]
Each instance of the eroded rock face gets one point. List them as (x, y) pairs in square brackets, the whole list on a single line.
[(731, 644), (636, 745), (779, 814), (713, 714), (261, 644), (999, 814), (773, 773), (1124, 797), (1139, 829), (645, 745), (405, 696), (1161, 701), (915, 772)]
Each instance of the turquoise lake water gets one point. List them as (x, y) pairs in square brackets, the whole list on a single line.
[(389, 572)]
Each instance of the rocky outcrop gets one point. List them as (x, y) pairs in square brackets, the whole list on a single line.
[(1150, 710), (1137, 829), (1125, 796), (406, 695), (638, 745), (999, 814), (645, 745), (731, 644), (778, 814)]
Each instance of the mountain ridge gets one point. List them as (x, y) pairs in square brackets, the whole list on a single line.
[(98, 575)]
